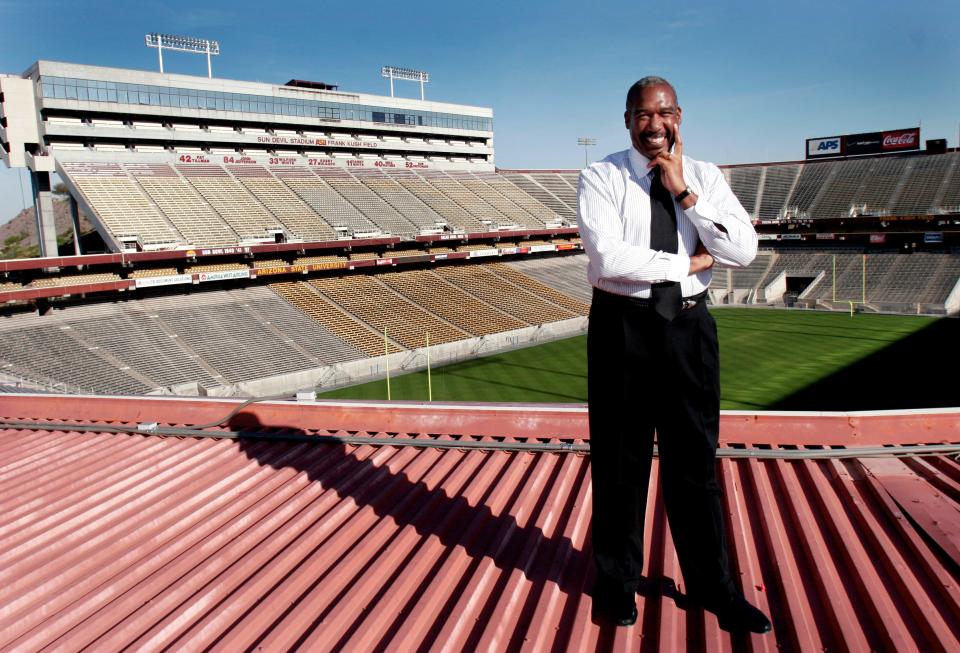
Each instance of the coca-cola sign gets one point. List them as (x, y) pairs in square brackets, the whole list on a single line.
[(902, 139)]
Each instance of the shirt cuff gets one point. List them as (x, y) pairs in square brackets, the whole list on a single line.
[(705, 215)]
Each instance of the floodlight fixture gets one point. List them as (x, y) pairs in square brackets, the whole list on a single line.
[(407, 74), (183, 44), (586, 142)]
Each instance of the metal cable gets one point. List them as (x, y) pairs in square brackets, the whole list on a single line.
[(915, 450)]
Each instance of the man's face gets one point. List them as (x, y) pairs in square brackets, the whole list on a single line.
[(653, 120)]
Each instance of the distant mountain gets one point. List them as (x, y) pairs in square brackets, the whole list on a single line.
[(18, 238)]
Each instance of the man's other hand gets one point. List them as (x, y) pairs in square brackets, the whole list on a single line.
[(701, 259)]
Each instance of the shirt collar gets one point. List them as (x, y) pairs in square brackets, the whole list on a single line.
[(639, 163)]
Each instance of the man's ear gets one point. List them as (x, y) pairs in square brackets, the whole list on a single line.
[(626, 119)]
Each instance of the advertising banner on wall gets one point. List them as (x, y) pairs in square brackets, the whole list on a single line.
[(821, 147), (869, 143), (894, 140), (901, 140)]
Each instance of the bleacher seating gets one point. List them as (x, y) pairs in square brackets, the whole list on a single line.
[(140, 342), (487, 286), (214, 267), (269, 263), (391, 192), (542, 194), (468, 200), (840, 189), (143, 273), (46, 353), (192, 216), (777, 184), (377, 305), (747, 278), (333, 319), (492, 196), (236, 206), (298, 330), (744, 182), (302, 221), (927, 176), (369, 203), (475, 247), (400, 253), (568, 274), (337, 211), (73, 280), (950, 189), (539, 289), (810, 184), (425, 288), (453, 213), (232, 341), (124, 209), (505, 187), (319, 260)]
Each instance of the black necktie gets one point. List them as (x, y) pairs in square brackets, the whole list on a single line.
[(665, 297)]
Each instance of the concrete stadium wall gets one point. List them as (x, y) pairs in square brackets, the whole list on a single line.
[(371, 369)]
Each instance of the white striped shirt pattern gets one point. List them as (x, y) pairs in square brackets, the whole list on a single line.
[(614, 218)]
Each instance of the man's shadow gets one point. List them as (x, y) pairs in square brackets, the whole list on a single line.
[(391, 481)]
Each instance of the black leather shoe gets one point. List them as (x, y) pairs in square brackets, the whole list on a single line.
[(616, 605), (736, 614)]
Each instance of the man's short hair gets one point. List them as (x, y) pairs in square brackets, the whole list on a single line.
[(650, 80)]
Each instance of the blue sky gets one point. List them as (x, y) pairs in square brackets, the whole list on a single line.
[(754, 78)]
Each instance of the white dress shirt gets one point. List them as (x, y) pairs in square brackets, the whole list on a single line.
[(613, 203)]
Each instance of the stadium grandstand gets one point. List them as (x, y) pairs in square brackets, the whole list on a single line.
[(254, 240)]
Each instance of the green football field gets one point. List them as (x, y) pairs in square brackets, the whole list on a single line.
[(770, 359)]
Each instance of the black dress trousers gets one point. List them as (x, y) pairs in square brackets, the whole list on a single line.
[(649, 375)]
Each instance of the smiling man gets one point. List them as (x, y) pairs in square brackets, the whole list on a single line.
[(654, 222)]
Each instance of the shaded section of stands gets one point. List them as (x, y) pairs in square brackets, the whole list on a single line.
[(916, 371)]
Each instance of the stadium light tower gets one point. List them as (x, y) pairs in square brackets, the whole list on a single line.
[(586, 142), (407, 74), (183, 44)]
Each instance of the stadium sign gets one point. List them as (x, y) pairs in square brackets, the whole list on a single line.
[(484, 252), (791, 237), (878, 239), (265, 272), (542, 248), (901, 140), (870, 143), (826, 236), (166, 280), (331, 265), (220, 275), (218, 251), (822, 147), (334, 142), (895, 140), (933, 237)]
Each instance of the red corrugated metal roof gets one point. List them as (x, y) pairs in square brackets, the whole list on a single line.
[(114, 540)]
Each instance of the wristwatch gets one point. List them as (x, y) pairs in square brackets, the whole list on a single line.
[(682, 196)]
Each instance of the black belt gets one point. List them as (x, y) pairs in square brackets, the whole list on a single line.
[(644, 302)]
